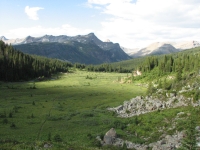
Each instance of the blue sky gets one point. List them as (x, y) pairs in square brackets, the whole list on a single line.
[(132, 23)]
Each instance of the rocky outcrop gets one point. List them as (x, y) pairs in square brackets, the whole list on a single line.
[(141, 105), (166, 142), (110, 137), (160, 100)]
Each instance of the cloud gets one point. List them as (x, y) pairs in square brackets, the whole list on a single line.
[(32, 12), (36, 31), (141, 22)]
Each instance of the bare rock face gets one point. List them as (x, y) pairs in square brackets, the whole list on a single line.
[(110, 137)]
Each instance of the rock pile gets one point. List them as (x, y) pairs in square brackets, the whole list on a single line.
[(167, 142), (141, 105)]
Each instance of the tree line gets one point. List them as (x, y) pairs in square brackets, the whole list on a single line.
[(107, 68), (178, 63), (16, 66), (158, 65)]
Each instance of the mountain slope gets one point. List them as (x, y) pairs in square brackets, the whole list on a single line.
[(130, 51), (88, 53), (185, 45), (86, 49), (17, 66), (157, 48)]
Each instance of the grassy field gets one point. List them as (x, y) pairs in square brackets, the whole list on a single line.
[(69, 110)]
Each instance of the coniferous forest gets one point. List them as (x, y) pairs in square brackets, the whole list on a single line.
[(17, 66), (182, 62)]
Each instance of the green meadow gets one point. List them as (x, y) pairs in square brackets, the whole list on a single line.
[(68, 110)]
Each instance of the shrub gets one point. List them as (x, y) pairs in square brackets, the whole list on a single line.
[(5, 121), (3, 115), (88, 115), (196, 95), (32, 116), (96, 143), (49, 136), (57, 138), (10, 115), (89, 136), (13, 125)]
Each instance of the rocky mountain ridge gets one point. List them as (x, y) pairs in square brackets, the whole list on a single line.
[(157, 48), (62, 39), (185, 45), (160, 48), (86, 49)]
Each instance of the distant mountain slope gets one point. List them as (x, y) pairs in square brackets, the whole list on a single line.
[(87, 53), (185, 45), (130, 51), (157, 48), (136, 62), (63, 39), (86, 49)]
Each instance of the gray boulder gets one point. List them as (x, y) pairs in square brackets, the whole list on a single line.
[(47, 145), (110, 137)]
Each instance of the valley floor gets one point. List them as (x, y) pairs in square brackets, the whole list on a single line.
[(71, 106), (70, 110)]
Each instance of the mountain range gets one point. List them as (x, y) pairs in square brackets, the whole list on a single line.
[(86, 49), (160, 48)]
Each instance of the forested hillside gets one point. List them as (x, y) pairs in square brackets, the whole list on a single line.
[(185, 61), (15, 65), (122, 66)]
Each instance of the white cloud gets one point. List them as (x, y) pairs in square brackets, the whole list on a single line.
[(36, 31), (141, 22), (32, 12)]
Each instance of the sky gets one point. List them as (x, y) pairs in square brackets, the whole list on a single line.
[(131, 23)]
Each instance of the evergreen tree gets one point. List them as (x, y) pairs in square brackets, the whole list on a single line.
[(179, 74), (189, 142), (15, 65), (150, 89)]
